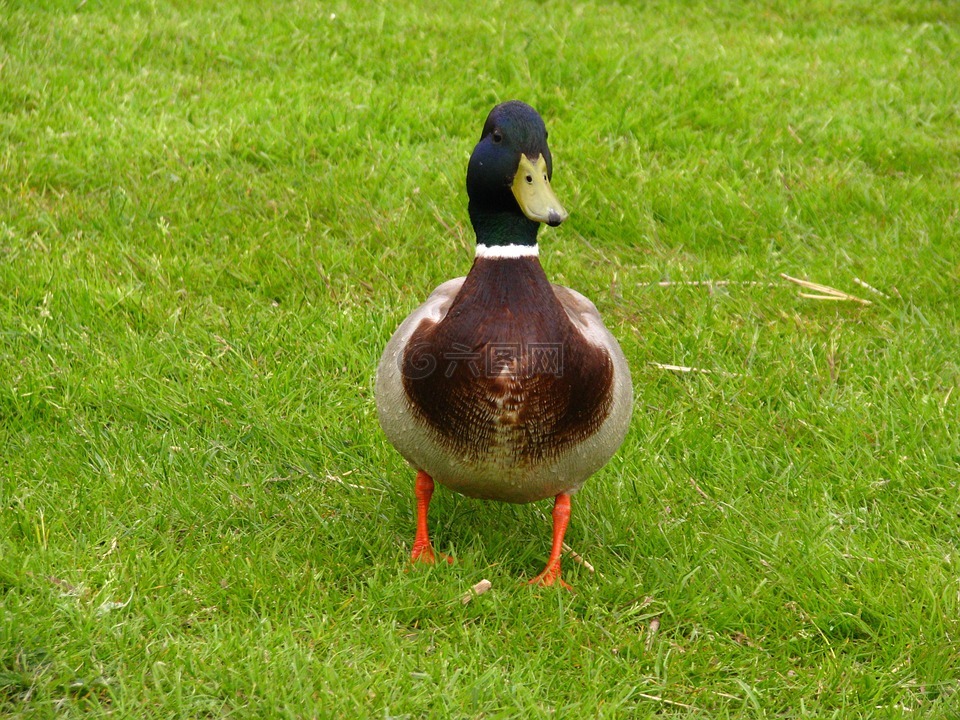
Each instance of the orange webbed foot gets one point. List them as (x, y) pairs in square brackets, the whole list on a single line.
[(561, 516), (550, 577), (423, 551), (426, 555)]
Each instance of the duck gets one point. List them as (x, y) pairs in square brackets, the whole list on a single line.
[(501, 385)]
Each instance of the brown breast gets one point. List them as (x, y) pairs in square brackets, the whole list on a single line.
[(505, 371)]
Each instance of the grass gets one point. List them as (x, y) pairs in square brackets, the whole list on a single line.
[(212, 216)]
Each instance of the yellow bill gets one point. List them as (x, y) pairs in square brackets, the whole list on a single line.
[(532, 189)]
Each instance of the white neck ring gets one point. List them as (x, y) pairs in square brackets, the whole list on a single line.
[(506, 252)]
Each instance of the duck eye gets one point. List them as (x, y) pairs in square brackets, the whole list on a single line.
[(529, 178), (497, 136)]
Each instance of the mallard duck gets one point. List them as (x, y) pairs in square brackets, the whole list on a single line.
[(502, 386)]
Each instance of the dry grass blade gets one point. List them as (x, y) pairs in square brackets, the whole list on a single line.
[(669, 702), (344, 483), (871, 288), (825, 292), (479, 589), (811, 296), (679, 368), (578, 558), (709, 283), (652, 630), (700, 490), (688, 369)]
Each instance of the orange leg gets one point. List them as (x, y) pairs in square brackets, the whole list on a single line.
[(422, 549), (561, 516)]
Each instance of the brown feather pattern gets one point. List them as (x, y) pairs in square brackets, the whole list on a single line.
[(505, 372)]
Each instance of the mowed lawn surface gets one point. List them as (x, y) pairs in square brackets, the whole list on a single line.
[(213, 215)]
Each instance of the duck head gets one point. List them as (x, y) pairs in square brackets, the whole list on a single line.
[(508, 178)]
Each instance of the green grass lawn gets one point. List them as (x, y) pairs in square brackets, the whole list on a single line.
[(213, 215)]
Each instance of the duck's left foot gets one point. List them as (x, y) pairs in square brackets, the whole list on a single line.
[(550, 577), (561, 516)]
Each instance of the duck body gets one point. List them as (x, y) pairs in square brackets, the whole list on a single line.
[(503, 386)]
